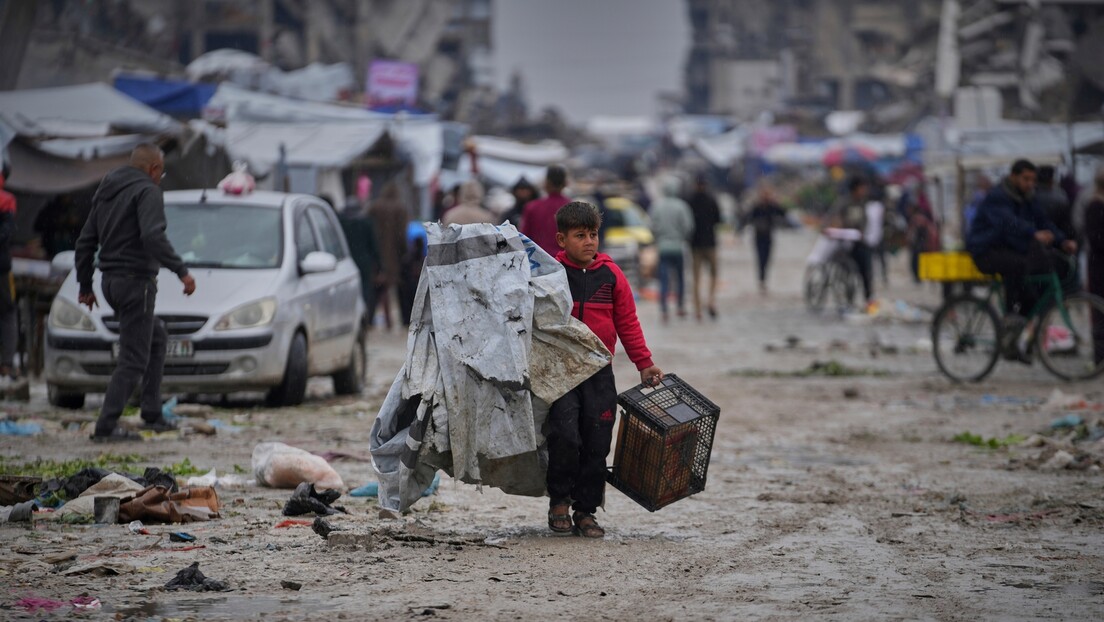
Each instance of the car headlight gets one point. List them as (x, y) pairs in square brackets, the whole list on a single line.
[(65, 314), (252, 315)]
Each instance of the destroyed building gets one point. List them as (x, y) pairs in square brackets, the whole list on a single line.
[(1035, 59)]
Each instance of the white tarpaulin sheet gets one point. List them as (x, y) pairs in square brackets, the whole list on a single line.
[(491, 344), (82, 111), (326, 134)]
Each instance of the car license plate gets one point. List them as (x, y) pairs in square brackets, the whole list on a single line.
[(174, 349)]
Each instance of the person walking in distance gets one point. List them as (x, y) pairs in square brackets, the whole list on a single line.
[(8, 329), (389, 217), (127, 225), (703, 244), (849, 212), (1094, 235), (765, 216), (538, 217), (672, 226)]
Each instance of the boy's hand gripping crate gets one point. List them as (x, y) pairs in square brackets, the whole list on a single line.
[(664, 442)]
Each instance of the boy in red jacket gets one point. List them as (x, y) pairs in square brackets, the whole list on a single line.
[(581, 422)]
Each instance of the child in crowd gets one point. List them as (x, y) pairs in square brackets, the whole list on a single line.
[(581, 422)]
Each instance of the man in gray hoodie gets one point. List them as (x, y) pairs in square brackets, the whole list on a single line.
[(127, 226), (672, 226)]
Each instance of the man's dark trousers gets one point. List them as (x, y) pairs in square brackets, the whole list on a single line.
[(580, 429), (142, 339), (1014, 268)]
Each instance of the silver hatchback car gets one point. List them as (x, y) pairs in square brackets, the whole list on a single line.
[(277, 300)]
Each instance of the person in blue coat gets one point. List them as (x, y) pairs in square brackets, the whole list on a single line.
[(1012, 236)]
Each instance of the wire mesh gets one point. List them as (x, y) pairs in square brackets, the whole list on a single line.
[(664, 442)]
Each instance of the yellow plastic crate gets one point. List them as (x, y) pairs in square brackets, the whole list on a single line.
[(950, 266)]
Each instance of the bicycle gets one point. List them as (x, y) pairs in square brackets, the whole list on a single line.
[(831, 273), (1066, 331)]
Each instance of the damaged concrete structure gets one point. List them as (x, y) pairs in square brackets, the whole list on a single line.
[(81, 42), (1036, 60)]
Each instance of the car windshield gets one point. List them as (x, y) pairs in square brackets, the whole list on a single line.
[(212, 235)]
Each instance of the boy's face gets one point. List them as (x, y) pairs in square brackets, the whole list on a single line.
[(580, 245)]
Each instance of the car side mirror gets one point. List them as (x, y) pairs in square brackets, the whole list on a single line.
[(63, 262), (316, 262)]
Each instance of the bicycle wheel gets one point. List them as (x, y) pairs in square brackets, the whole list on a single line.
[(1071, 345), (966, 339), (816, 286), (843, 282)]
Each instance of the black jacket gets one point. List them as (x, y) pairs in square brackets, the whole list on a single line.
[(1007, 219), (127, 224)]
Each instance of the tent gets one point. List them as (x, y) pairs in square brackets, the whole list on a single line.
[(174, 97), (64, 138), (339, 130)]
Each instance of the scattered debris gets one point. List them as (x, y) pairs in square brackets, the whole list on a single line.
[(831, 368), (291, 585), (86, 603), (291, 522), (306, 500), (977, 440), (32, 604), (322, 527), (193, 580), (280, 466), (180, 536), (100, 568), (14, 428)]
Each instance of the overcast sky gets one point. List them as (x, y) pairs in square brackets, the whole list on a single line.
[(592, 57)]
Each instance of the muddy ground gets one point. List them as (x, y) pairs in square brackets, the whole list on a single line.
[(835, 497)]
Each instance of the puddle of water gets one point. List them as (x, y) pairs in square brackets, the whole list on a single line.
[(219, 607)]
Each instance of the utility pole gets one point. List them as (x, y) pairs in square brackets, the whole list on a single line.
[(16, 20)]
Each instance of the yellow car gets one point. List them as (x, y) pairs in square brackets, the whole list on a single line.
[(628, 240)]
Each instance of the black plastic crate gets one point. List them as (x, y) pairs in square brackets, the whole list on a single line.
[(663, 443)]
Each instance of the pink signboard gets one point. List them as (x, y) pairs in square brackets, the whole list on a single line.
[(392, 83)]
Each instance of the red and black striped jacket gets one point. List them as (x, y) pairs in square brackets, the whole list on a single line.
[(603, 300)]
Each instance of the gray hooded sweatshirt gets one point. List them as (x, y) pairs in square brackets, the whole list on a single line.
[(672, 220), (127, 225)]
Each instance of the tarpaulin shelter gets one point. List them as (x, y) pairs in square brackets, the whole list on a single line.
[(504, 162), (320, 141), (64, 138), (179, 98)]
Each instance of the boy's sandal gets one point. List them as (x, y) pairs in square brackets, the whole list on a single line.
[(587, 526), (559, 520)]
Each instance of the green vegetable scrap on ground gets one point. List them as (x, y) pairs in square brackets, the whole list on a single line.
[(829, 369), (978, 440), (124, 463), (48, 469)]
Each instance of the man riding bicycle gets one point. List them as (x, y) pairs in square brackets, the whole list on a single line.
[(1012, 236)]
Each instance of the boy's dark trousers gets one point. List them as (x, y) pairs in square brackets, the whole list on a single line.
[(580, 428)]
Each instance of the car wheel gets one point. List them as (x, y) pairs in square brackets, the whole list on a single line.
[(293, 387), (350, 381), (63, 399)]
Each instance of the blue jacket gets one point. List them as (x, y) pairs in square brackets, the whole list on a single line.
[(1007, 219)]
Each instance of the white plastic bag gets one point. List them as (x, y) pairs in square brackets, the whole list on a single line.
[(277, 465)]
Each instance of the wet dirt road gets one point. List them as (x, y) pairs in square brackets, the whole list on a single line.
[(833, 497)]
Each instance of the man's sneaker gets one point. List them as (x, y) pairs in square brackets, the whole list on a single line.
[(160, 424), (118, 435)]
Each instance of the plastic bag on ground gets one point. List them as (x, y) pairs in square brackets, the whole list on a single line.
[(277, 465)]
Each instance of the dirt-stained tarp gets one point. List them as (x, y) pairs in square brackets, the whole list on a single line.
[(491, 344)]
